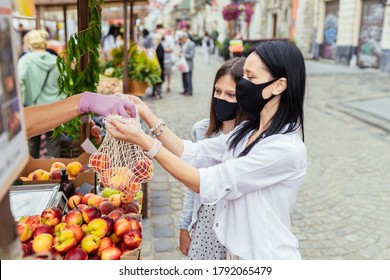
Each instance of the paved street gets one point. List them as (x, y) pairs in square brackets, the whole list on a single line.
[(342, 210)]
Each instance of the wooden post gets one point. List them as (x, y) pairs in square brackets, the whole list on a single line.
[(65, 27), (125, 47), (38, 17), (9, 236), (82, 23)]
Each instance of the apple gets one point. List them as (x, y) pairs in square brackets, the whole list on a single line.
[(84, 228), (24, 231), (33, 221), (105, 242), (115, 238), (84, 199), (55, 174), (111, 253), (40, 174), (74, 217), (121, 226), (99, 162), (77, 230), (132, 239), (131, 207), (73, 201), (76, 254), (143, 169), (90, 213), (82, 206), (115, 199), (42, 243), (107, 192), (27, 249), (64, 241), (106, 207), (110, 223), (90, 243), (104, 176), (95, 131), (94, 257), (95, 200), (120, 178), (73, 168), (42, 229), (116, 214), (134, 224), (126, 199), (57, 166), (51, 216), (98, 227)]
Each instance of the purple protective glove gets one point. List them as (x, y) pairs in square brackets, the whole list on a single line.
[(105, 105)]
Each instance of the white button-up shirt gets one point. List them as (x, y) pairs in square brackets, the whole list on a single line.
[(253, 194)]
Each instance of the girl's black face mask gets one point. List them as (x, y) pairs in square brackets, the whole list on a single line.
[(225, 111), (250, 96)]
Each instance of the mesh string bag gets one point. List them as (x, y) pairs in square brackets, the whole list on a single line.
[(121, 165)]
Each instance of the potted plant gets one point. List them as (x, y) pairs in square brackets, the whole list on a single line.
[(143, 68)]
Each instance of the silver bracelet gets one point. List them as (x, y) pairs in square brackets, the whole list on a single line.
[(155, 149), (160, 123), (159, 132)]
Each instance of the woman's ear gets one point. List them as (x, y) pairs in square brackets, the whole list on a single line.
[(280, 86)]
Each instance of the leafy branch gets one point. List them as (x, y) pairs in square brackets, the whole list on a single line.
[(73, 80)]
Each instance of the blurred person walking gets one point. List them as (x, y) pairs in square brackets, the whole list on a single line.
[(38, 75), (168, 44), (208, 47), (157, 89), (187, 49)]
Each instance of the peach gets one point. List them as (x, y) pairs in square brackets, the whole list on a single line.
[(73, 201), (98, 227), (42, 243), (121, 226), (90, 243), (25, 232), (84, 199), (120, 178), (115, 199), (95, 200), (111, 253), (105, 243), (106, 207), (73, 168), (57, 166), (74, 217), (40, 174), (99, 162)]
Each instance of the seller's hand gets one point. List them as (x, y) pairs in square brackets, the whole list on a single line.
[(124, 131), (105, 105), (184, 241)]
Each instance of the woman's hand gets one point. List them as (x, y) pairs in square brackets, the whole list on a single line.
[(184, 241), (125, 132)]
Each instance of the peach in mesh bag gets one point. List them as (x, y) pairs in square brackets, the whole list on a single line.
[(121, 165)]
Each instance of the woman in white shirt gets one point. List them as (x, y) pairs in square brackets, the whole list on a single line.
[(256, 170), (197, 238)]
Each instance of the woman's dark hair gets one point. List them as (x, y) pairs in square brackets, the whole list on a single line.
[(283, 60), (233, 68)]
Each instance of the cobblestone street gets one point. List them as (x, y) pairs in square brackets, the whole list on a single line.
[(342, 208)]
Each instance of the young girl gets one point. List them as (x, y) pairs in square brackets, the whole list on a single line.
[(224, 116), (256, 170)]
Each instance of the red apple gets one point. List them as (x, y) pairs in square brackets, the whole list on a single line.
[(105, 243), (65, 241), (42, 229), (55, 174), (111, 253), (27, 249), (77, 230), (74, 217), (24, 231), (116, 214), (106, 207), (134, 224), (110, 223), (132, 239), (76, 254), (90, 213), (143, 169), (98, 227), (33, 221), (90, 243), (121, 226), (51, 216)]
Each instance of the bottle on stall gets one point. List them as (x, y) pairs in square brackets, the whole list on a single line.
[(66, 186)]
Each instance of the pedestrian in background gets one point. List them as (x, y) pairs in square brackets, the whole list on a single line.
[(111, 41), (208, 47), (38, 75), (168, 44), (147, 41), (197, 238), (256, 170), (157, 89), (187, 49)]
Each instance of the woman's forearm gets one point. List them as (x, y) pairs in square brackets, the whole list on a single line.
[(169, 139), (42, 118)]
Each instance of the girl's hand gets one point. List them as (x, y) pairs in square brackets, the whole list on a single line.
[(184, 241), (125, 132), (141, 106)]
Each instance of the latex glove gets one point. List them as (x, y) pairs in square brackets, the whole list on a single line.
[(105, 105)]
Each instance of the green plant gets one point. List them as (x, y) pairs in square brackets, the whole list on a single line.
[(72, 80), (143, 66)]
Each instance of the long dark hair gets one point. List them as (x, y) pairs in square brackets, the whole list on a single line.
[(233, 68), (283, 60)]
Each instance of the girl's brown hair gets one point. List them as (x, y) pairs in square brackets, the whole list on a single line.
[(234, 68)]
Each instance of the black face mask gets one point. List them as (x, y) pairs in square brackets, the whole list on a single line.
[(225, 111), (250, 96)]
